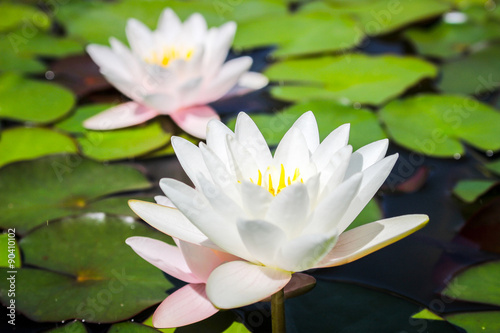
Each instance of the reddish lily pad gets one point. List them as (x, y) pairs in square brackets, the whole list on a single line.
[(58, 186), (83, 269)]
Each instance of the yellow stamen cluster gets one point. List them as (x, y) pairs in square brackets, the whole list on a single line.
[(168, 54), (283, 181)]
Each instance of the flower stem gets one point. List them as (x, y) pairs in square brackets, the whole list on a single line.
[(278, 312)]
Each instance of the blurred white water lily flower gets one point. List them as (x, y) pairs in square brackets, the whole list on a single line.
[(281, 214), (175, 70)]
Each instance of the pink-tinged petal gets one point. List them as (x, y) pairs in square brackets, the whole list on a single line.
[(226, 79), (170, 221), (240, 283), (361, 241), (123, 115), (299, 284), (186, 306), (200, 259), (194, 120), (248, 82), (166, 257)]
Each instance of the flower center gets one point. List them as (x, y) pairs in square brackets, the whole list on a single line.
[(167, 55), (283, 181)]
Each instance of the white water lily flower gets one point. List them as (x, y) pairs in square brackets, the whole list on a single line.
[(282, 214), (175, 70)]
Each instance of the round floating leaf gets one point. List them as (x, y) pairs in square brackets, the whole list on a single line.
[(130, 327), (447, 39), (369, 214), (476, 284), (48, 46), (344, 307), (329, 115), (123, 143), (9, 251), (34, 101), (378, 17), (18, 15), (351, 77), (74, 124), (435, 125), (471, 190), (494, 166), (24, 143), (59, 186), (477, 322), (299, 33), (73, 327), (13, 61), (86, 271), (476, 74)]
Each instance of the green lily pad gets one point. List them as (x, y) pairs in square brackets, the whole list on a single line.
[(470, 190), (24, 143), (41, 44), (59, 186), (130, 327), (168, 150), (20, 63), (426, 314), (476, 74), (17, 15), (249, 10), (299, 33), (345, 307), (494, 166), (329, 115), (33, 101), (350, 78), (85, 270), (476, 284), (11, 257), (477, 322), (221, 322), (435, 125), (378, 17), (447, 40), (73, 327), (369, 214), (74, 124), (123, 143)]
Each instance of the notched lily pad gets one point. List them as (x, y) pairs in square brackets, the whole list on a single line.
[(348, 78), (472, 322), (33, 101), (436, 125), (476, 284), (24, 143), (85, 270), (59, 186)]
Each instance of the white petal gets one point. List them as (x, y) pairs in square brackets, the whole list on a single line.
[(109, 62), (169, 25), (190, 158), (306, 251), (262, 239), (219, 172), (217, 134), (164, 201), (289, 209), (248, 135), (366, 156), (193, 30), (373, 178), (248, 82), (333, 174), (170, 221), (166, 257), (330, 210), (333, 142), (241, 160), (307, 124), (128, 58), (120, 116), (361, 241), (255, 199), (139, 37), (239, 283), (163, 102), (217, 43), (221, 230), (292, 151)]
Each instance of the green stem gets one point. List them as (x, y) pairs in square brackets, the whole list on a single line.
[(278, 312)]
